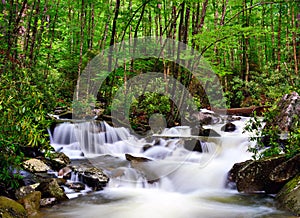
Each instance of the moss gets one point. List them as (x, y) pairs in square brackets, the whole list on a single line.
[(289, 196), (11, 209)]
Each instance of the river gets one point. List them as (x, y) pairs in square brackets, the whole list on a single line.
[(176, 183)]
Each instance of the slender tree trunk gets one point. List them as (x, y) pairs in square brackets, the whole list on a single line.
[(82, 24), (113, 33), (279, 39), (52, 30), (294, 42), (273, 33), (34, 32)]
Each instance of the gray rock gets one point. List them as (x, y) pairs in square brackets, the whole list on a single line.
[(289, 196)]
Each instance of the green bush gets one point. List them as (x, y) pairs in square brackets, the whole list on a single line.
[(25, 100)]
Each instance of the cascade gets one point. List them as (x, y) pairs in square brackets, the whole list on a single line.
[(170, 181)]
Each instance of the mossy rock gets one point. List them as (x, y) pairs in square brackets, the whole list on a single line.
[(289, 196), (11, 209)]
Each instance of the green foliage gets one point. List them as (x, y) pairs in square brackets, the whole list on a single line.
[(24, 103), (270, 141), (146, 105)]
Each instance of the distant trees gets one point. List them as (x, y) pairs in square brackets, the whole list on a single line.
[(253, 46)]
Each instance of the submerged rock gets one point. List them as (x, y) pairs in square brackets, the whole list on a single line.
[(134, 159), (289, 196), (193, 145), (76, 186), (228, 127), (11, 209)]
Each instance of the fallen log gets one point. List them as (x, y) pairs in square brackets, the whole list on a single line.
[(244, 111)]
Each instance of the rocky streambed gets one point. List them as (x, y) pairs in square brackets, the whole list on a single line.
[(55, 179)]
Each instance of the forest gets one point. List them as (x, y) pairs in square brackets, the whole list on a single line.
[(252, 46)]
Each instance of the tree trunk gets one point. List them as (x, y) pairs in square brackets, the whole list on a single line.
[(294, 42), (82, 24), (279, 39)]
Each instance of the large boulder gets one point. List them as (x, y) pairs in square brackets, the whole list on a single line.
[(11, 209), (286, 170), (255, 176), (289, 196), (289, 113)]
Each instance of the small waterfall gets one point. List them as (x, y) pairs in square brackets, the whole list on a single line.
[(88, 138), (64, 134)]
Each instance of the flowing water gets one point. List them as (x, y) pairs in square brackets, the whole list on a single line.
[(175, 183)]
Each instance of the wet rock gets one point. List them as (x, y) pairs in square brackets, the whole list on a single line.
[(92, 177), (11, 209), (233, 118), (146, 147), (31, 202), (198, 130), (65, 172), (286, 170), (208, 133), (228, 127), (193, 145), (35, 165), (58, 160), (131, 158), (289, 196), (208, 118), (47, 202), (233, 173), (76, 186), (51, 188), (254, 176)]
